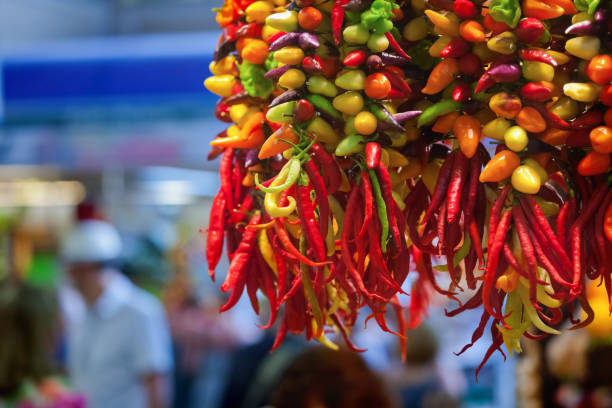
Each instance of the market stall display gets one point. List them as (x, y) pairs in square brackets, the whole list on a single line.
[(370, 138)]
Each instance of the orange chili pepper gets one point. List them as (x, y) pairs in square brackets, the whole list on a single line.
[(601, 139), (250, 134), (273, 145), (554, 137), (531, 120), (500, 166), (472, 31), (505, 105), (444, 123), (539, 9), (441, 76), (567, 6), (255, 51), (496, 27), (594, 163), (468, 131)]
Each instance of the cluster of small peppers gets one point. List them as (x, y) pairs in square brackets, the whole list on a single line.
[(371, 139)]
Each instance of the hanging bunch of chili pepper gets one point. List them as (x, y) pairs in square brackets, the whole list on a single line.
[(467, 143)]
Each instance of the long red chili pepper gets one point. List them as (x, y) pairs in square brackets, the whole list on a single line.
[(522, 231), (321, 193), (395, 45), (368, 203), (455, 187), (280, 334), (562, 221), (387, 192), (286, 241), (476, 241), (441, 230), (537, 55), (472, 188), (376, 257), (308, 221), (478, 332), (441, 187), (498, 205), (599, 234), (576, 234), (268, 286), (329, 168), (544, 226), (225, 174), (337, 18), (474, 302), (216, 226), (343, 332), (346, 253), (495, 247), (252, 285), (242, 255)]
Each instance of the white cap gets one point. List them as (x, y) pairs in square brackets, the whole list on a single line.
[(92, 241)]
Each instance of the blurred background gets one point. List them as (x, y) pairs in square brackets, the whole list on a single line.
[(101, 102)]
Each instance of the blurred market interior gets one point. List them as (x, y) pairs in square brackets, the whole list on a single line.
[(102, 102)]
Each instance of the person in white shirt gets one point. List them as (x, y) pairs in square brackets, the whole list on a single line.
[(118, 343)]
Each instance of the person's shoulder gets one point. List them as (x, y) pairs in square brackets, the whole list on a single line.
[(144, 303)]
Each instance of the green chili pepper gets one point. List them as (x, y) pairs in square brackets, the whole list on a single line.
[(308, 286), (292, 168), (378, 17), (253, 80), (322, 103), (382, 211), (443, 107), (505, 11), (350, 145), (587, 5)]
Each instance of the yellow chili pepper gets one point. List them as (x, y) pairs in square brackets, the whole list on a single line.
[(266, 250), (447, 24)]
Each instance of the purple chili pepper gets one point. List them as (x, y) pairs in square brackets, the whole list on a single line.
[(582, 28), (251, 158), (374, 63), (277, 72), (505, 72), (284, 41), (308, 41)]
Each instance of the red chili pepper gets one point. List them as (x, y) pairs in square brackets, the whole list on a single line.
[(474, 302), (308, 220), (478, 332), (527, 246), (321, 193), (495, 247), (416, 201), (329, 168), (241, 256), (396, 47), (576, 234), (552, 119), (476, 240), (398, 83), (225, 174), (252, 285), (376, 257), (543, 225), (368, 203), (312, 65), (230, 31), (588, 120), (562, 220), (276, 37), (440, 190), (346, 253), (455, 187), (512, 262), (355, 58), (216, 226), (465, 9), (337, 18), (235, 295), (387, 192), (498, 340), (304, 111), (280, 334), (268, 286), (344, 334), (457, 48), (485, 82), (495, 214), (537, 55), (441, 230), (372, 154), (461, 92), (251, 30), (536, 91), (286, 241)]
